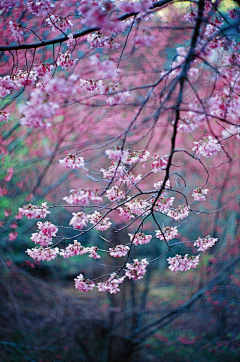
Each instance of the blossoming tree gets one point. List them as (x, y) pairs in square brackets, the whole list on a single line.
[(141, 113)]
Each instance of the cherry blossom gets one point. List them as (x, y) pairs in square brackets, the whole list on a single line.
[(83, 285), (79, 220), (40, 7), (140, 238), (111, 285), (82, 197), (43, 254), (116, 155), (180, 263), (34, 212), (36, 110), (118, 251), (167, 233), (17, 31), (205, 243), (180, 213), (100, 223), (114, 194), (159, 163), (207, 147), (73, 249), (136, 270), (199, 194), (72, 161), (136, 156), (164, 204), (59, 23), (65, 61)]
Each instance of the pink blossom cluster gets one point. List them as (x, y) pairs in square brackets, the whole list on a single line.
[(180, 213), (43, 254), (167, 233), (40, 7), (159, 163), (79, 220), (99, 222), (137, 206), (116, 155), (42, 69), (140, 238), (64, 60), (72, 161), (164, 204), (199, 194), (81, 197), (17, 31), (36, 110), (118, 251), (34, 212), (82, 284), (98, 40), (91, 86), (136, 156), (114, 194), (114, 171), (47, 231), (77, 249), (59, 23), (158, 185), (111, 285), (73, 249), (207, 147), (4, 116), (205, 243), (136, 270), (180, 263)]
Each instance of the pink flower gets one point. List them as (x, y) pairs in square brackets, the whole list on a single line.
[(84, 285), (4, 116), (93, 253), (205, 243), (100, 223), (136, 156), (180, 263), (65, 61), (159, 163), (105, 68), (111, 285), (136, 270), (82, 197), (17, 31), (207, 147), (140, 238), (180, 213), (32, 211), (169, 233), (43, 254), (98, 40), (115, 194), (199, 194), (47, 228), (59, 23), (40, 7), (79, 220), (41, 239), (137, 206), (36, 110), (73, 249), (118, 98), (163, 204), (116, 155), (42, 69), (113, 171), (72, 161), (118, 251)]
